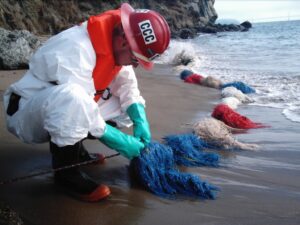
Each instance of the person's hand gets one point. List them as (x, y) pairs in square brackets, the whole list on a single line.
[(127, 145), (141, 129)]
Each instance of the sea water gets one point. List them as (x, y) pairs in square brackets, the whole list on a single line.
[(267, 57)]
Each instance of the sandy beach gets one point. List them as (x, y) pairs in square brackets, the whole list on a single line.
[(257, 187)]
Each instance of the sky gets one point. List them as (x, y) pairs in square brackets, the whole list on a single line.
[(258, 10)]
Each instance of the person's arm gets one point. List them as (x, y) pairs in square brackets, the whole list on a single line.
[(126, 88), (127, 145), (141, 128)]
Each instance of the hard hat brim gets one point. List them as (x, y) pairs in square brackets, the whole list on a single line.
[(126, 11)]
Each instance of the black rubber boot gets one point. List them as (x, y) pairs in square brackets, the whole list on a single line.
[(84, 155), (73, 179)]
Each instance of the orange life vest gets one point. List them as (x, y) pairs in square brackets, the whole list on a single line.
[(100, 29)]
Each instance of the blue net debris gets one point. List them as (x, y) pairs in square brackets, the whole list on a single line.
[(185, 73), (156, 170), (188, 150), (246, 89)]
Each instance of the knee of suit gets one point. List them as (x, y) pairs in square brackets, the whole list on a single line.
[(71, 114)]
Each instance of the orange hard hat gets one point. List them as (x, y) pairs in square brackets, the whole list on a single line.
[(147, 33)]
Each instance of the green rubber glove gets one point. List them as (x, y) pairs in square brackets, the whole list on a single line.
[(141, 129), (127, 145)]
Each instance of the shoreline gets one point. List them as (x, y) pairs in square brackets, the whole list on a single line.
[(257, 187)]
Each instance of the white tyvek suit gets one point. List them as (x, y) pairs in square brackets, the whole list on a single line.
[(67, 112)]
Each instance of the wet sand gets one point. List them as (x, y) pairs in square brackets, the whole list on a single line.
[(261, 187)]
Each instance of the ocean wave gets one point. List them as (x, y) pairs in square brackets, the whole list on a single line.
[(266, 57)]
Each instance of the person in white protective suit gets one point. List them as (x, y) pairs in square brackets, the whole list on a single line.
[(78, 80)]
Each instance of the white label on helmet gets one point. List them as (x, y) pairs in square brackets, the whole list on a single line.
[(142, 10), (147, 32)]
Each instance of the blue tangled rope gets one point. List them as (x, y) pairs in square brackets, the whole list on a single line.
[(246, 89), (188, 150), (156, 170)]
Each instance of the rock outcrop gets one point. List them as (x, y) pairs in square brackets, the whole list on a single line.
[(16, 47), (185, 17)]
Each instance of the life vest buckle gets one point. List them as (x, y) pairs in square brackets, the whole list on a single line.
[(105, 94)]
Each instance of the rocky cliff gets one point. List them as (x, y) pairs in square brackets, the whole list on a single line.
[(21, 21), (51, 16)]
